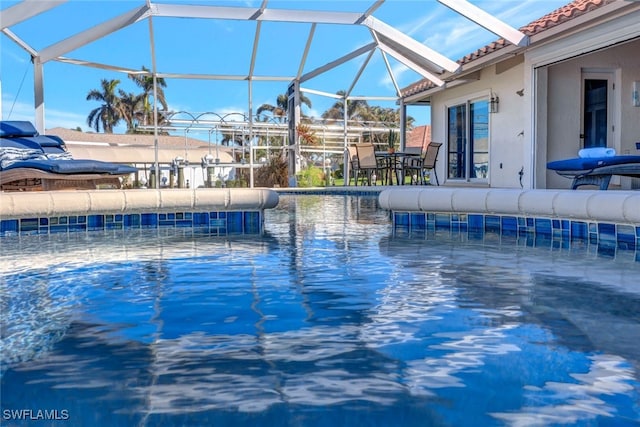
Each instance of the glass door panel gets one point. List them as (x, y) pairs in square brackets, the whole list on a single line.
[(479, 140), (457, 141), (468, 141), (595, 113)]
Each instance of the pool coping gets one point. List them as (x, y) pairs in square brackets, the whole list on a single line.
[(220, 211), (608, 218), (605, 213), (620, 207)]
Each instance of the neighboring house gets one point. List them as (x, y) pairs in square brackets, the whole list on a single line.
[(419, 136), (139, 150), (571, 87)]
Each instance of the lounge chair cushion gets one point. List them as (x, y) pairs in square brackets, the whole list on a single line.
[(24, 143), (15, 150), (47, 141), (78, 166), (53, 147), (37, 147), (42, 141), (588, 164), (15, 128)]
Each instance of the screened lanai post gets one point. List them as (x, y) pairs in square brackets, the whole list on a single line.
[(156, 148), (38, 94), (347, 156), (155, 129), (403, 125), (250, 95), (292, 122)]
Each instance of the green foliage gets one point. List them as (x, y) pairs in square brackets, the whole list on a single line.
[(134, 109), (312, 176), (392, 139), (107, 115), (338, 173), (236, 183)]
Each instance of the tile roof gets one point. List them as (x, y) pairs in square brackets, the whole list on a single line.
[(125, 139), (563, 14), (419, 136)]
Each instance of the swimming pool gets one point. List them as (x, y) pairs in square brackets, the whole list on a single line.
[(329, 318)]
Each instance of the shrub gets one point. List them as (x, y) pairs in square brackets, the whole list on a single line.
[(275, 173), (312, 176)]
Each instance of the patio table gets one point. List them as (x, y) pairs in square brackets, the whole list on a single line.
[(393, 164)]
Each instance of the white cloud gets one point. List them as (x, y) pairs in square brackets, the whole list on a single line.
[(16, 110), (53, 118), (420, 24), (455, 36), (232, 113), (20, 59)]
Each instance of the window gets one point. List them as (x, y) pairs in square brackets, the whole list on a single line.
[(468, 140)]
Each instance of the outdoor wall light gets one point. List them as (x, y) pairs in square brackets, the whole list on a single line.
[(493, 104), (206, 161)]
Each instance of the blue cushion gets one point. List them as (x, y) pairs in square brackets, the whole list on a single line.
[(74, 166), (21, 143), (9, 128), (587, 164), (46, 143), (48, 140)]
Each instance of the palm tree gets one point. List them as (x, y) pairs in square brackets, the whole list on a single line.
[(130, 109), (145, 82), (356, 109), (279, 110), (108, 114), (388, 116)]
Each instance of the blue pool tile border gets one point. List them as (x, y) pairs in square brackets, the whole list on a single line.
[(219, 223), (330, 191), (622, 236)]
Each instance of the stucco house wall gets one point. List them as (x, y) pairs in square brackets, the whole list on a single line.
[(564, 103), (558, 114), (506, 140), (540, 88)]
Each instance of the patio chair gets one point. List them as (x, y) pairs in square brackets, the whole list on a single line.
[(354, 167), (367, 161), (409, 156), (29, 161), (417, 167)]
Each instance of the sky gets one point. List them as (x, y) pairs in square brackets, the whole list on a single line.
[(223, 47)]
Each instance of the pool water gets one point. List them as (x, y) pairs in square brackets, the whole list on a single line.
[(329, 319)]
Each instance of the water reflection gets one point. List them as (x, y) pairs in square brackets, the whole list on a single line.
[(573, 402), (328, 314)]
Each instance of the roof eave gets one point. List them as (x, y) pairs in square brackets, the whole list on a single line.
[(466, 70), (583, 22), (579, 23)]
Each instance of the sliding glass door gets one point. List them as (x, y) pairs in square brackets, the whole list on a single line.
[(468, 141), (597, 89)]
